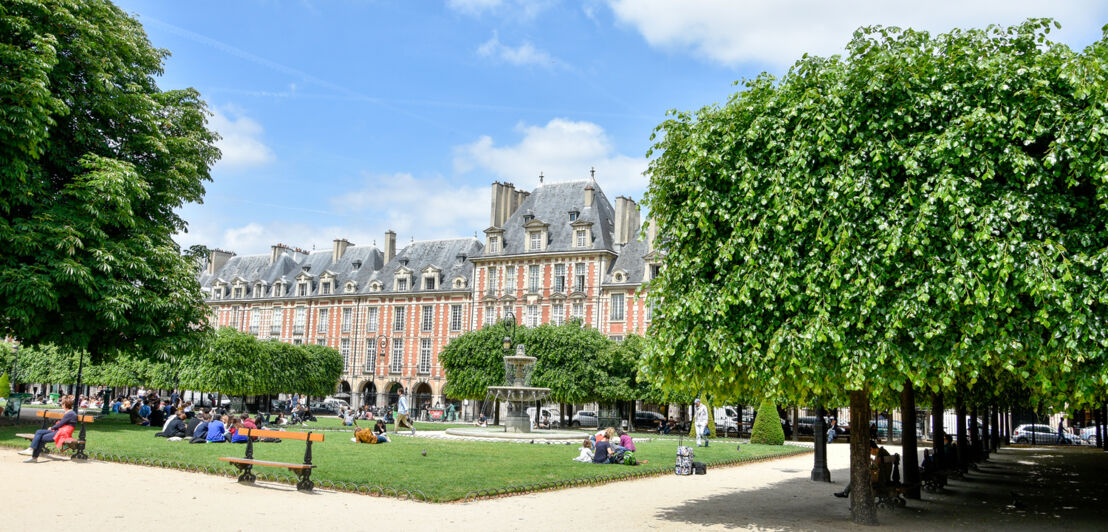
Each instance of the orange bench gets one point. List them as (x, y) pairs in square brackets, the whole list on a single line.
[(303, 471), (77, 444)]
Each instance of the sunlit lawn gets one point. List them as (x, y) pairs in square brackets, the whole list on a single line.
[(450, 469)]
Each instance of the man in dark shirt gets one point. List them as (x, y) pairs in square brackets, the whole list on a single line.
[(176, 427)]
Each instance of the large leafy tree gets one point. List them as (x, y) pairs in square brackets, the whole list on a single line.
[(94, 161), (927, 208)]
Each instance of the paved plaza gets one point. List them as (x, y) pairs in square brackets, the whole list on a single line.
[(1019, 489)]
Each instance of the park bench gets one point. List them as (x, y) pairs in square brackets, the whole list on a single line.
[(77, 444), (888, 491), (302, 471)]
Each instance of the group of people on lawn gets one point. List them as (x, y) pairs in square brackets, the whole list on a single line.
[(609, 446)]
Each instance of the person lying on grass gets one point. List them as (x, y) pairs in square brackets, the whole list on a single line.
[(378, 434)]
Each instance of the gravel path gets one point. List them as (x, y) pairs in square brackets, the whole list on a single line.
[(1020, 489)]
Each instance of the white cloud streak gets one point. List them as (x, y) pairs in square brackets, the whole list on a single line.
[(562, 150), (520, 9), (425, 208), (779, 32), (241, 144), (522, 55)]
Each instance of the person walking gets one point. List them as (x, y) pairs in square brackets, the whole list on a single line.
[(700, 420), (1061, 430), (402, 412)]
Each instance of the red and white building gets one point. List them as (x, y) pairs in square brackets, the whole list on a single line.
[(562, 251)]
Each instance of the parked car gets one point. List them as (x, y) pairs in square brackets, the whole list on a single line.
[(805, 424), (584, 418), (897, 432), (1041, 434), (648, 420), (1087, 434), (329, 407), (554, 416)]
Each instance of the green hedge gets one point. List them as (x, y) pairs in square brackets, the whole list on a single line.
[(767, 428)]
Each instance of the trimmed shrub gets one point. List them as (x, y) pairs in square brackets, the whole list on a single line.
[(4, 385), (767, 428)]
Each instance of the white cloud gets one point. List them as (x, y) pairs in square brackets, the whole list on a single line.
[(241, 144), (562, 150), (425, 208), (779, 32), (522, 9), (522, 55)]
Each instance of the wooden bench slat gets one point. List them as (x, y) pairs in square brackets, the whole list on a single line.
[(266, 463), (263, 433), (58, 415)]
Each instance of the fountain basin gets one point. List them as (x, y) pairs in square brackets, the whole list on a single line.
[(518, 393)]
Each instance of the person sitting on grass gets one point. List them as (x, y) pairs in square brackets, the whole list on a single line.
[(625, 440), (157, 414), (59, 432), (380, 429), (191, 425), (174, 428), (602, 452), (144, 414), (236, 431), (200, 433), (348, 417), (217, 430), (585, 453), (482, 421)]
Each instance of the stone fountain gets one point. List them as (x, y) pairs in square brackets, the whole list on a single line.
[(517, 395)]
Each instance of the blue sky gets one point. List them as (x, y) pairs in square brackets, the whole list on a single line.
[(345, 118)]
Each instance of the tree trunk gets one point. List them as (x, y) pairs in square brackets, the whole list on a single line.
[(1098, 419), (863, 509), (908, 435), (994, 436), (985, 438), (975, 434), (963, 442), (938, 435)]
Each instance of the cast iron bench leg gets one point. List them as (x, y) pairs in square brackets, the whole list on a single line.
[(305, 475), (247, 476)]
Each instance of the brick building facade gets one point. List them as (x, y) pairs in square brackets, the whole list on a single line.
[(559, 252)]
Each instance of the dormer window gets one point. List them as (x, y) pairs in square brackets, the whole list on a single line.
[(278, 289), (573, 216), (326, 287), (238, 292), (536, 241), (494, 244), (528, 217), (459, 283), (301, 289), (401, 285), (580, 237), (219, 291), (375, 286), (428, 283), (351, 287), (618, 277), (259, 290)]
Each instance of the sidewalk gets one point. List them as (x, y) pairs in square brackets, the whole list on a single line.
[(1055, 488)]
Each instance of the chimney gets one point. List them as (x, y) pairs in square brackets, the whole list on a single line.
[(589, 192), (627, 220), (520, 196), (494, 204), (217, 258), (651, 233), (390, 245), (276, 251), (340, 247)]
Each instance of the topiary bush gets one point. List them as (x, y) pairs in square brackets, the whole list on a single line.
[(4, 386), (767, 427)]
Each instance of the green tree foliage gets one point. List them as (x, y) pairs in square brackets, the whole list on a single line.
[(95, 160), (577, 363), (926, 207), (474, 361), (322, 374), (5, 385), (767, 426)]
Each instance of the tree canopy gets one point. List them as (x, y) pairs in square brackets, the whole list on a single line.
[(94, 161), (926, 207)]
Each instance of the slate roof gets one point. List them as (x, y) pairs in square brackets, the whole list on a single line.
[(631, 261), (289, 264), (443, 254), (551, 203)]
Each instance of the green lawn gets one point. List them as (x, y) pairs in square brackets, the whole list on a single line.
[(449, 471)]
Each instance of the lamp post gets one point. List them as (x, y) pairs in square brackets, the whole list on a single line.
[(382, 348), (820, 473)]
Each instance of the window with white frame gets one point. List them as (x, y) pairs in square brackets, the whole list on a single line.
[(490, 314), (351, 287), (259, 290), (616, 338), (427, 321), (533, 278), (536, 240), (578, 309), (558, 313), (425, 355), (239, 290), (617, 307), (455, 317), (278, 289), (347, 319), (301, 289), (321, 322), (371, 319), (559, 278), (397, 362), (573, 216), (580, 238), (491, 279), (579, 274), (398, 319), (320, 341), (370, 355), (325, 288), (344, 348), (494, 244), (299, 319), (532, 315), (429, 282), (402, 284), (509, 279), (275, 321), (256, 321)]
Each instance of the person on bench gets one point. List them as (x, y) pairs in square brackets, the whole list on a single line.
[(175, 428), (59, 432)]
